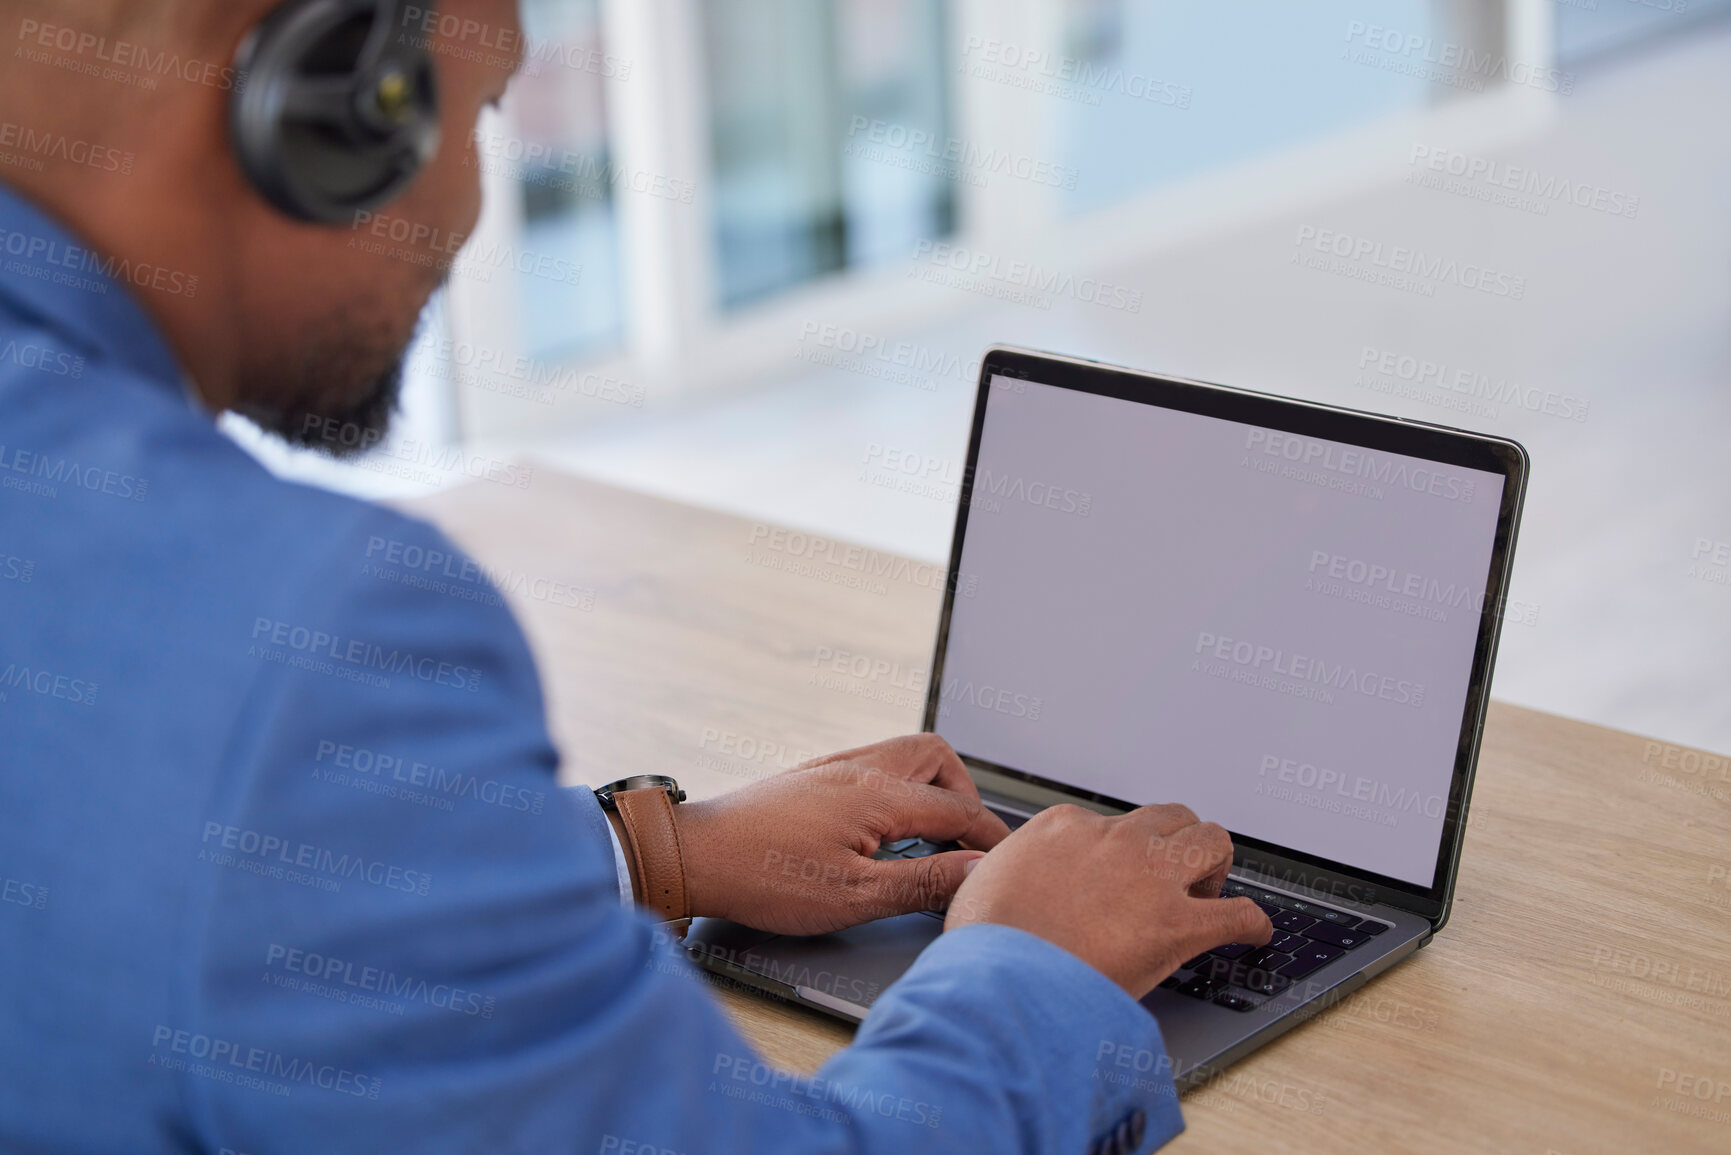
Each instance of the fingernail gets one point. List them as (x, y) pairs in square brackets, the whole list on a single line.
[(968, 866)]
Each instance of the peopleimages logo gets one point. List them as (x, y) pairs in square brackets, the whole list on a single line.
[(227, 1059), (361, 766), (1064, 76), (993, 699), (1515, 185), (47, 683), (123, 61), (1377, 578), (34, 146), (53, 362), (1015, 279), (258, 853), (1307, 670), (1360, 464), (804, 1091), (42, 470), (365, 655), (1446, 61), (497, 45), (949, 156), (991, 490), (48, 259), (450, 252), (324, 969), (420, 567), (570, 170), (21, 893), (1467, 385), (766, 541), (791, 972), (1349, 788), (886, 358), (1402, 267)]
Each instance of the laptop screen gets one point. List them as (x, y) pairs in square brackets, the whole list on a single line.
[(1278, 631)]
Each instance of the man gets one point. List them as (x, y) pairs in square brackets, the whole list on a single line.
[(227, 928)]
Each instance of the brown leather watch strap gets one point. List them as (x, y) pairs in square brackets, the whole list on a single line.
[(653, 852)]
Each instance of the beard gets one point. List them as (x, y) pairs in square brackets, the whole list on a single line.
[(341, 430), (339, 394)]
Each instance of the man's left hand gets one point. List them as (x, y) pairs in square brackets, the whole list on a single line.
[(793, 853)]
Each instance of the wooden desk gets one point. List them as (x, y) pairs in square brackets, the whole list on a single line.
[(1578, 1001)]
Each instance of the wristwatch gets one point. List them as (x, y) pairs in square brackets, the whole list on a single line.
[(641, 810)]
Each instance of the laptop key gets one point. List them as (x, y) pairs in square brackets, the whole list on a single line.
[(1291, 920), (1245, 974), (1368, 926), (1267, 958), (1334, 936), (1219, 971), (1233, 950), (1199, 988), (1192, 964), (1233, 1001), (1313, 957), (1286, 942), (1325, 913), (1265, 982)]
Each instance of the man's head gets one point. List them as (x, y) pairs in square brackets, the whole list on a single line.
[(301, 327)]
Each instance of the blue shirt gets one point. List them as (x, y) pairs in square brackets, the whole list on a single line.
[(283, 861)]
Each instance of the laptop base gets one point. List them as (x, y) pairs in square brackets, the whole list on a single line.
[(842, 974)]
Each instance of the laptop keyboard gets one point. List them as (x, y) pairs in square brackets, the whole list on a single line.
[(1307, 937), (1239, 977)]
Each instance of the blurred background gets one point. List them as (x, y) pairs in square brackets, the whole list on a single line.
[(786, 230)]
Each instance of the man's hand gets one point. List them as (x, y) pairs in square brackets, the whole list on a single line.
[(1133, 895), (792, 853)]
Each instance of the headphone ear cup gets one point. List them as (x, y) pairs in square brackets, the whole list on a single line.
[(304, 117)]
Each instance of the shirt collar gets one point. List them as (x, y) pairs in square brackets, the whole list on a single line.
[(52, 278)]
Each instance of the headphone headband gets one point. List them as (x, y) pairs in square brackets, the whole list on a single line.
[(337, 109)]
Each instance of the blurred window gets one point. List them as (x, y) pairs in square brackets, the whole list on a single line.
[(1153, 92), (554, 148), (1586, 28), (827, 126)]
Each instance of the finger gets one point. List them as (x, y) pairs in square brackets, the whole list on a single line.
[(1164, 818), (1203, 853), (902, 886), (943, 767), (939, 764), (838, 756), (923, 757), (938, 814), (1214, 922), (889, 756), (1210, 887)]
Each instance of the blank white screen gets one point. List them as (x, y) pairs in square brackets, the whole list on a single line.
[(1276, 631)]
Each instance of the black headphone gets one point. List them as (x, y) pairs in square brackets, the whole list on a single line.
[(335, 109)]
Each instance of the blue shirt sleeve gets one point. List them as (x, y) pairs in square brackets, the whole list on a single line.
[(403, 935)]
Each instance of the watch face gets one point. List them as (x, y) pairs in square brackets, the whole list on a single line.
[(641, 782)]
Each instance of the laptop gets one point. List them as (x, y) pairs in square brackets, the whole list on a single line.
[(1280, 613)]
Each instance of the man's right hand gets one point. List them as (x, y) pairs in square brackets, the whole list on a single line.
[(1132, 895)]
